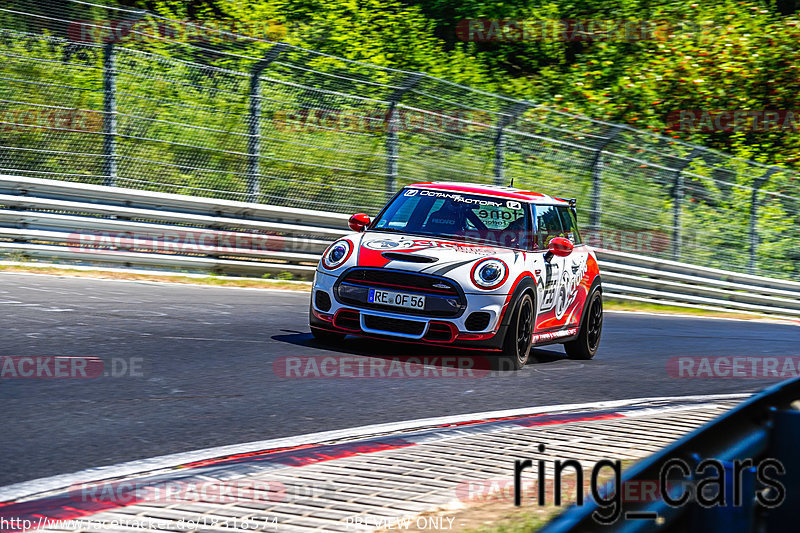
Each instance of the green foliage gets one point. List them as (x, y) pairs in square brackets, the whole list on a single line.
[(183, 121)]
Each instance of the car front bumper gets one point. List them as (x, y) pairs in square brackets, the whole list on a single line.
[(390, 324)]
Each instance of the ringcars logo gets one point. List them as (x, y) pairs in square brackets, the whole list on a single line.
[(357, 367)]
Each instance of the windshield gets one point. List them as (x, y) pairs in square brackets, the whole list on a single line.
[(458, 216)]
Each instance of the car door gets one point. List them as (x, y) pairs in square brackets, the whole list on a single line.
[(551, 293), (574, 290)]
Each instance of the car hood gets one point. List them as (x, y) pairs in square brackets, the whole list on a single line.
[(423, 254)]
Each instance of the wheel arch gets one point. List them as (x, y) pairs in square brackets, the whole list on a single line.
[(597, 285), (526, 285)]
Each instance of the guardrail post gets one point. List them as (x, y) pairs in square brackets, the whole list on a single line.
[(677, 205), (392, 127), (109, 115), (109, 170), (754, 205), (254, 122), (597, 181), (507, 117)]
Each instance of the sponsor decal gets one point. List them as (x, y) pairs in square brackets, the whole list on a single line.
[(477, 250), (561, 289), (410, 192), (498, 218), (417, 244), (389, 244), (542, 337), (513, 205), (460, 198)]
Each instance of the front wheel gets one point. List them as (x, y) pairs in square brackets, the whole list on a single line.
[(517, 344), (585, 346)]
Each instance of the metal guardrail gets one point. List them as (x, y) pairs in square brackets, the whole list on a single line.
[(765, 427), (64, 221), (645, 279)]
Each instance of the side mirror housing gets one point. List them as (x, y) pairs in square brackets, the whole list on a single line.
[(560, 246), (359, 222)]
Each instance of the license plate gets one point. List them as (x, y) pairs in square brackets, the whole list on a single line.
[(397, 299)]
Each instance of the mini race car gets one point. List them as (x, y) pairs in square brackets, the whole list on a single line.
[(474, 266)]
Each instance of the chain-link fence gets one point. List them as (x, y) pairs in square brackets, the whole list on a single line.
[(110, 95)]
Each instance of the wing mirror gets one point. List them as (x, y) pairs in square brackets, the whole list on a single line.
[(559, 246), (358, 222)]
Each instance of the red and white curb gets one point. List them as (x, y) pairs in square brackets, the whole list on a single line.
[(356, 479)]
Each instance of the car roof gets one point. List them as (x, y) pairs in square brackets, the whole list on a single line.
[(497, 191)]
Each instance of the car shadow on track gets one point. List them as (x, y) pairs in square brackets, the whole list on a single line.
[(442, 356)]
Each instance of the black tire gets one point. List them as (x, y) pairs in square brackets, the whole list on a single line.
[(585, 346), (323, 335), (519, 337)]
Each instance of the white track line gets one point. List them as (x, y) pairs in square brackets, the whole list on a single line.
[(167, 273), (27, 489), (763, 319), (173, 283)]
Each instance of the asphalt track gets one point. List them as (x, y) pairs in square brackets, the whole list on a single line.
[(206, 357)]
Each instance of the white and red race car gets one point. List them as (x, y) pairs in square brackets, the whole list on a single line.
[(473, 266)]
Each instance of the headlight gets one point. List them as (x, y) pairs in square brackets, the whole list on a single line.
[(489, 273), (337, 254)]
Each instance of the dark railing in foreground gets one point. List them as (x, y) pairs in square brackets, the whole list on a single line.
[(765, 427)]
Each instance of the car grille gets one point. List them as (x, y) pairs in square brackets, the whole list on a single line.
[(443, 297), (398, 280), (394, 325)]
